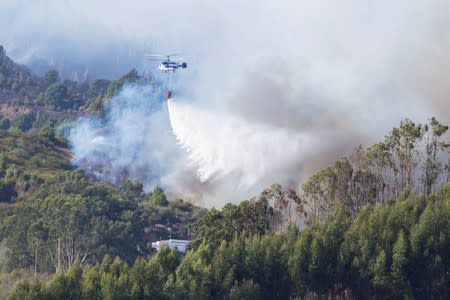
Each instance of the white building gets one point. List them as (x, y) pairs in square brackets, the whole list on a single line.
[(180, 245)]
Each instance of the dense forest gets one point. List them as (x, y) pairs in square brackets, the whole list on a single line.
[(391, 251), (372, 224)]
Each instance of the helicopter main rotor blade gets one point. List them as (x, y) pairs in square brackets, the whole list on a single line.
[(160, 57), (155, 56)]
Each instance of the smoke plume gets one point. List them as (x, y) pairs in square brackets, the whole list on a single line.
[(133, 139)]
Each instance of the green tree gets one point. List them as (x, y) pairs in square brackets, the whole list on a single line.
[(432, 166), (91, 284), (223, 268), (98, 87), (51, 77), (47, 132), (95, 104), (133, 189), (299, 261), (249, 217), (380, 278), (247, 289), (194, 275), (116, 283), (55, 95), (131, 76), (402, 142), (399, 264), (113, 88), (28, 290), (66, 285), (3, 161), (158, 198), (380, 160)]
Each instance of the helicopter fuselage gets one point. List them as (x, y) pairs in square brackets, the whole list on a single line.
[(171, 66)]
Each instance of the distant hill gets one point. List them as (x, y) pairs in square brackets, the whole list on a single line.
[(17, 82), (23, 95)]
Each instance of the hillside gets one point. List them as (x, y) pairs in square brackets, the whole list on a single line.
[(43, 199), (29, 102), (391, 252), (17, 82), (27, 160)]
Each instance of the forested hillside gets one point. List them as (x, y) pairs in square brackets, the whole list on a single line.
[(53, 216), (399, 250), (372, 224), (29, 102)]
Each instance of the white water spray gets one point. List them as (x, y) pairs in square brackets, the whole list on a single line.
[(221, 145)]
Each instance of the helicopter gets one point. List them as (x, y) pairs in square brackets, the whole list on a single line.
[(167, 65)]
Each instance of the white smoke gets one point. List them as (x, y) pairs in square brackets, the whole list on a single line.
[(133, 139)]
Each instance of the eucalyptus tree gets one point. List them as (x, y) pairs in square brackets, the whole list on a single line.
[(402, 144), (434, 146)]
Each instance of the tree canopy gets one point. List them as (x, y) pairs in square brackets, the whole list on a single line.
[(55, 95), (394, 251)]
